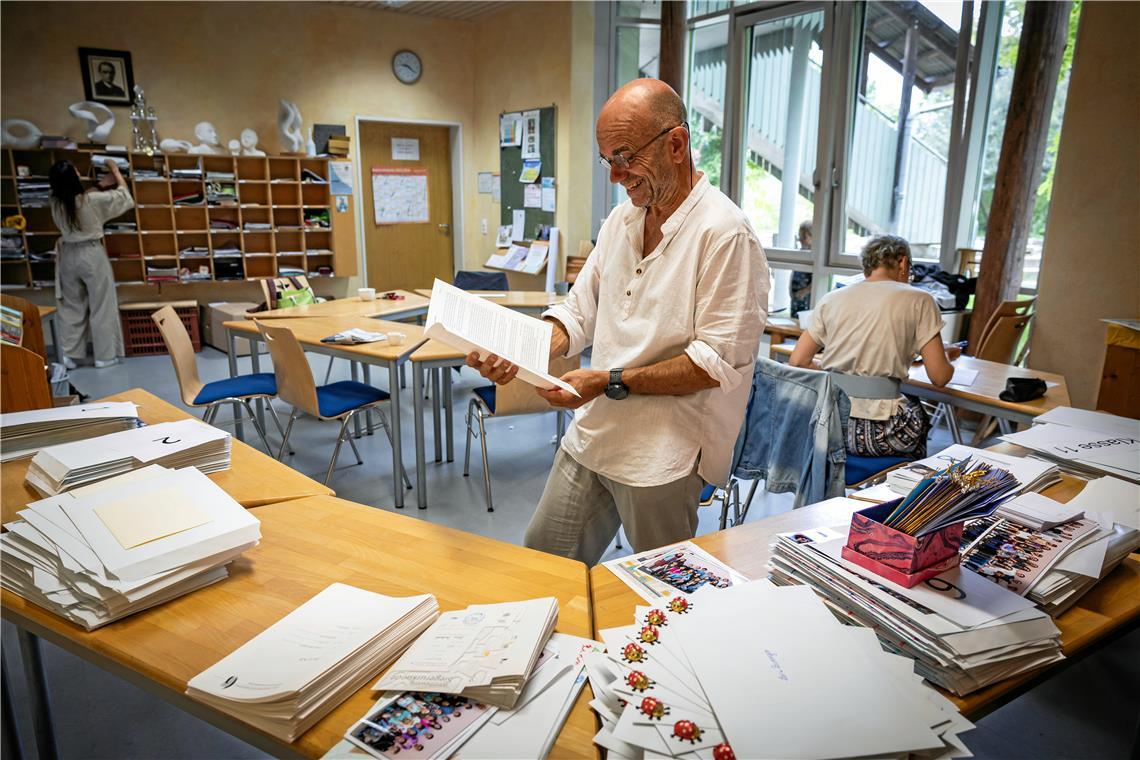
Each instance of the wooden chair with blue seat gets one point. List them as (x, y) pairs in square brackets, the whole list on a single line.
[(514, 398), (333, 401), (242, 389), (468, 280)]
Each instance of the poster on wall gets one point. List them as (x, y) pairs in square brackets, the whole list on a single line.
[(405, 149), (400, 195), (530, 143), (340, 177), (510, 130)]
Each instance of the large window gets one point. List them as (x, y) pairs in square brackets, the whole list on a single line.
[(708, 72)]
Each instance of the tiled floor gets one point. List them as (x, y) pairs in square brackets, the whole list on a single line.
[(1089, 711)]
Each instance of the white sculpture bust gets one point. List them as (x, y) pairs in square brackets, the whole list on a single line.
[(249, 143), (207, 137)]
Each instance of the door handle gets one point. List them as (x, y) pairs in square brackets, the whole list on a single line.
[(445, 228)]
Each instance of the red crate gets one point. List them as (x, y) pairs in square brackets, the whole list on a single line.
[(141, 336)]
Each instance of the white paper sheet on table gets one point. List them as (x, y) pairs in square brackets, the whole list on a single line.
[(962, 377), (1117, 497), (469, 323), (1088, 420)]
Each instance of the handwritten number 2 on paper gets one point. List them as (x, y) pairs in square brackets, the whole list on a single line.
[(166, 439)]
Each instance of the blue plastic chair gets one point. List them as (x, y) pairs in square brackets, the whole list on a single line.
[(862, 468), (335, 401), (466, 280), (241, 389)]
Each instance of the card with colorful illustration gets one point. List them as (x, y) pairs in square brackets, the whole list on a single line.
[(683, 568), (418, 725)]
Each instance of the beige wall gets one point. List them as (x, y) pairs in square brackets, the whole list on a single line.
[(1091, 262), (230, 63)]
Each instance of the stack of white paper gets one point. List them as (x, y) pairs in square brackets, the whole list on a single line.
[(296, 671), (1033, 474), (486, 652), (105, 551), (473, 324), (22, 434), (963, 631), (444, 723), (1085, 443), (186, 443), (755, 671), (1038, 512)]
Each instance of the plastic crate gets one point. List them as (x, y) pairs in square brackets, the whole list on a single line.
[(141, 336)]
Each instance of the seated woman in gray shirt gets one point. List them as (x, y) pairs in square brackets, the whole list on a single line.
[(874, 329)]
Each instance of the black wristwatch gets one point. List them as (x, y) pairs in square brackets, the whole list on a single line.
[(617, 390)]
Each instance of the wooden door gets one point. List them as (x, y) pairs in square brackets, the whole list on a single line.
[(410, 254)]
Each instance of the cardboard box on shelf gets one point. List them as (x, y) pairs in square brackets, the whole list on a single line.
[(223, 311)]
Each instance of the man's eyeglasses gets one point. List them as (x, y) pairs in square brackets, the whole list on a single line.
[(621, 161)]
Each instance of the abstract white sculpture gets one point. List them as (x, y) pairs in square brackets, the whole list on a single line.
[(91, 112), (170, 145), (249, 143), (289, 121), (207, 137), (20, 134)]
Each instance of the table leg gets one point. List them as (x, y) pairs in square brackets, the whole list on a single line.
[(418, 414), (37, 694), (397, 453), (368, 381), (231, 349), (435, 413), (255, 366), (952, 422), (55, 338), (10, 737), (356, 425), (1004, 426), (447, 421)]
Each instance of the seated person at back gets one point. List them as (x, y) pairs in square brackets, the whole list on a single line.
[(874, 329)]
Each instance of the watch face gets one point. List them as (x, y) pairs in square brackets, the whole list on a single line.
[(407, 66), (617, 391)]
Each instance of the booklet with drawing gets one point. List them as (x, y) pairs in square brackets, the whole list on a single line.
[(470, 323)]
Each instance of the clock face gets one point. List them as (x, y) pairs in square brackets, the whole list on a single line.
[(407, 67)]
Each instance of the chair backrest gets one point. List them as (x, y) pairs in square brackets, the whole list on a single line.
[(969, 261), (294, 376), (465, 280), (33, 326), (1005, 329), (181, 351), (279, 283), (23, 380), (518, 396)]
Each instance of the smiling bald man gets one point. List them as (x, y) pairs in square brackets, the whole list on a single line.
[(673, 300)]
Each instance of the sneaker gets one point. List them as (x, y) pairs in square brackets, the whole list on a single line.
[(100, 364), (70, 363)]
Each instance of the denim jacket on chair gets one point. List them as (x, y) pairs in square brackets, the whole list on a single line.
[(794, 433)]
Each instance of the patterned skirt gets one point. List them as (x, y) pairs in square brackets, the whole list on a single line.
[(903, 435)]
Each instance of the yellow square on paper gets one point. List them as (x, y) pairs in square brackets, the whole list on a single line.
[(162, 513)]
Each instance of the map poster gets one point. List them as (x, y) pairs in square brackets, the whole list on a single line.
[(400, 195)]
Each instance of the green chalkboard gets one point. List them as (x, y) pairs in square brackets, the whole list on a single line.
[(510, 166)]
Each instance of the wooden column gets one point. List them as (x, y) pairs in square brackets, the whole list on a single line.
[(672, 68), (1043, 35)]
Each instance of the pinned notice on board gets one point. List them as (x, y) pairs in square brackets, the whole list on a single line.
[(340, 177), (549, 197), (532, 167), (510, 129), (484, 183), (400, 194), (496, 188), (530, 135), (532, 196)]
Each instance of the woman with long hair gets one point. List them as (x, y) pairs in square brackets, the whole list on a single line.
[(84, 282)]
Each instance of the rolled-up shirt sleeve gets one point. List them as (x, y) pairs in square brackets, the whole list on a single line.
[(731, 309), (579, 312)]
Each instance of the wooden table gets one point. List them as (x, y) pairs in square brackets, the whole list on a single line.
[(411, 305), (310, 330), (253, 479), (779, 329), (437, 359), (1112, 606), (982, 395), (306, 545), (531, 301)]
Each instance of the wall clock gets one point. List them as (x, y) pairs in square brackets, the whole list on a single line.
[(407, 66)]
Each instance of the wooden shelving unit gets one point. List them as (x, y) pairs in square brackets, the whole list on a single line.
[(220, 217)]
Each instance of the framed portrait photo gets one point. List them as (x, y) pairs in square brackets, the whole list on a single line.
[(108, 77)]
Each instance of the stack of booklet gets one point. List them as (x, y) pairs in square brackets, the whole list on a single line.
[(963, 631), (22, 434), (1085, 443), (486, 652), (444, 723), (186, 443), (296, 671), (1032, 474), (756, 671), (99, 553), (1053, 553)]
